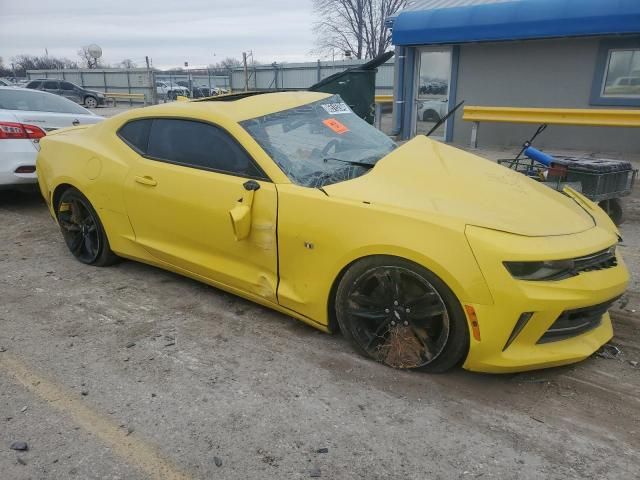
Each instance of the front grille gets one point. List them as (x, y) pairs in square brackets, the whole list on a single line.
[(596, 261), (575, 322)]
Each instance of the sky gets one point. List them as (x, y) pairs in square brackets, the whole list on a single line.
[(170, 32)]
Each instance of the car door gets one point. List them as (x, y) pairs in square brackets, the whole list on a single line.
[(187, 180), (70, 91), (51, 86)]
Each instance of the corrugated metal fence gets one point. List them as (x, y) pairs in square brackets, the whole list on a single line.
[(112, 80), (303, 75), (260, 77)]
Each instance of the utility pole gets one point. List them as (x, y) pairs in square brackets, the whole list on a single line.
[(152, 82), (246, 73)]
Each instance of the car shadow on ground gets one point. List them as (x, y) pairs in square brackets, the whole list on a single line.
[(23, 199)]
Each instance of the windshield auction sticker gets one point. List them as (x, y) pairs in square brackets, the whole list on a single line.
[(336, 108), (335, 125)]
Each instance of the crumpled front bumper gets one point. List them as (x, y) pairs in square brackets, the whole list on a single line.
[(546, 300)]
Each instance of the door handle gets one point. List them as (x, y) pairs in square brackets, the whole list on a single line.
[(146, 181), (76, 122)]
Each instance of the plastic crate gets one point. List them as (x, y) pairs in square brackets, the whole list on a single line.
[(601, 178)]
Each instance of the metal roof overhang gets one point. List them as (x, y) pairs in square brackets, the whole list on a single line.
[(469, 21)]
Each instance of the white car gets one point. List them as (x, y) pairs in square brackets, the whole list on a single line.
[(432, 110), (170, 91), (25, 117)]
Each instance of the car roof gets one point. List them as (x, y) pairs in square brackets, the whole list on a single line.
[(236, 107)]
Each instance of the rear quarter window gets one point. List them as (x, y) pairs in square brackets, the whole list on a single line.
[(136, 134)]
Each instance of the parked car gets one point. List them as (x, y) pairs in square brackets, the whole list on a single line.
[(197, 91), (625, 86), (25, 117), (170, 90), (75, 93), (424, 256), (434, 87), (6, 83), (432, 110)]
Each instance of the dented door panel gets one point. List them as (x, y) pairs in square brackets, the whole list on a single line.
[(181, 216)]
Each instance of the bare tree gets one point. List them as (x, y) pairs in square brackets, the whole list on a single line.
[(4, 71), (227, 63), (127, 63), (356, 26), (88, 61), (22, 63)]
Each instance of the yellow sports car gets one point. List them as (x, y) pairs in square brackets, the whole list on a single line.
[(424, 256)]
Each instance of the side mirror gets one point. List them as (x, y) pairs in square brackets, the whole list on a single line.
[(240, 215)]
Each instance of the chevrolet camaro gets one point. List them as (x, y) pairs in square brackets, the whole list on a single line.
[(423, 255)]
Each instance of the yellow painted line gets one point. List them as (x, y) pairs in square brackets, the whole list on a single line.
[(554, 116), (129, 447)]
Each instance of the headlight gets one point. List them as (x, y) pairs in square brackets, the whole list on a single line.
[(547, 270), (100, 95)]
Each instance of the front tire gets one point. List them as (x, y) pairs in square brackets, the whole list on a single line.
[(614, 209), (430, 116), (402, 315), (82, 230)]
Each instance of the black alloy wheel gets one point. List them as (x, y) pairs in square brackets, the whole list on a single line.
[(401, 315), (82, 231)]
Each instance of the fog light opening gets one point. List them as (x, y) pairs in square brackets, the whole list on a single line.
[(473, 318)]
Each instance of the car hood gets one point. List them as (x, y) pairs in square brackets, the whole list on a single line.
[(429, 177)]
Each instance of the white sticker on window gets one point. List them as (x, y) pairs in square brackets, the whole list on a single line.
[(336, 108)]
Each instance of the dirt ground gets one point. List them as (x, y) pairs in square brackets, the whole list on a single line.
[(131, 372)]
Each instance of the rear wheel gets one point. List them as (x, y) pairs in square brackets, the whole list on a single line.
[(401, 314), (90, 102), (82, 231)]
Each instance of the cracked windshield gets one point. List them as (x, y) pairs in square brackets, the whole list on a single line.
[(320, 143)]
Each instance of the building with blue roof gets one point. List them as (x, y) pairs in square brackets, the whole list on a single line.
[(517, 53)]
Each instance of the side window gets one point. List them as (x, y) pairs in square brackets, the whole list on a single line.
[(35, 85), (199, 145), (50, 85), (66, 86), (136, 134)]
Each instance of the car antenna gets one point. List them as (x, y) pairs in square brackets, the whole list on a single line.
[(445, 118)]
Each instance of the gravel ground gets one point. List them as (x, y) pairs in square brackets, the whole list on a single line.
[(131, 372)]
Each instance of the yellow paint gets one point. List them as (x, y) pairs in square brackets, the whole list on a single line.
[(435, 205), (384, 99), (554, 116), (129, 447)]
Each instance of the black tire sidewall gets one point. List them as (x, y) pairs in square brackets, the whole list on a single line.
[(457, 346), (613, 207), (105, 255)]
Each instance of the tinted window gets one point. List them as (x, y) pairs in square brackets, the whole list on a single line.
[(22, 99), (67, 86), (199, 145), (136, 134), (35, 84), (50, 85)]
